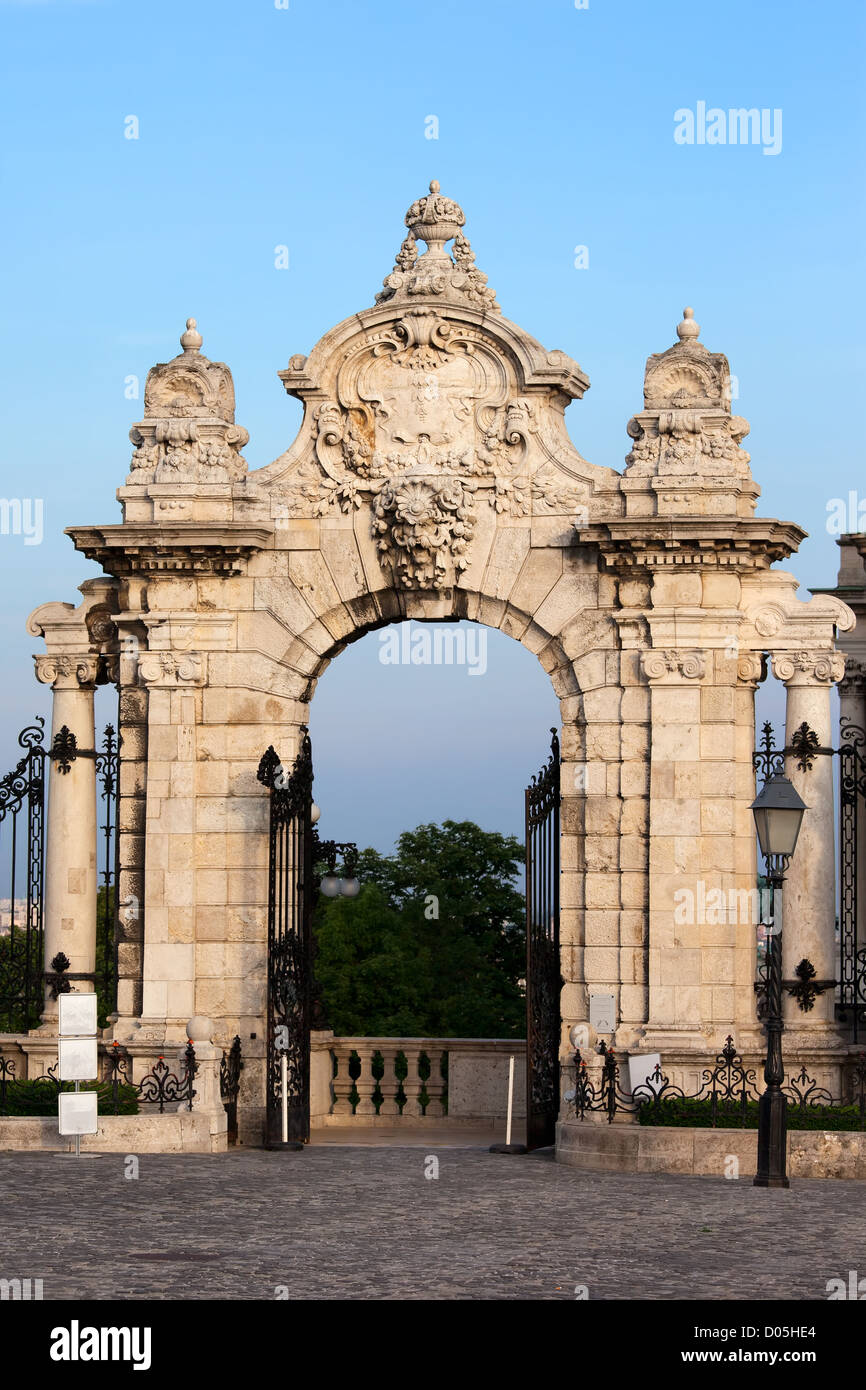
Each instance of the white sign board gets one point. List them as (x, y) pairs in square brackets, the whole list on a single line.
[(601, 1013), (640, 1069), (78, 1112), (77, 1015), (78, 1059)]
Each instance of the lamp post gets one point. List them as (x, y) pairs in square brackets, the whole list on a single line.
[(778, 811)]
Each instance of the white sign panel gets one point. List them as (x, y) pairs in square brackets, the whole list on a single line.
[(78, 1112), (601, 1015), (78, 1060), (640, 1069), (77, 1015)]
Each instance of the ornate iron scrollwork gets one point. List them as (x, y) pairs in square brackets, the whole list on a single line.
[(291, 889), (543, 975), (805, 989)]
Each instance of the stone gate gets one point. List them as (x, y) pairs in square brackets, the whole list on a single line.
[(433, 478)]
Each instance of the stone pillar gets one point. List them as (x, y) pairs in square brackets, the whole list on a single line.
[(809, 895), (678, 858), (70, 847), (169, 968)]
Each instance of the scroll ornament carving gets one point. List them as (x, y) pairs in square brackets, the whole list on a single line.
[(169, 669), (750, 668), (67, 669), (188, 433), (656, 665), (808, 668), (422, 431), (855, 675)]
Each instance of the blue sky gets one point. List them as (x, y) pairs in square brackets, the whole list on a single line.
[(305, 127)]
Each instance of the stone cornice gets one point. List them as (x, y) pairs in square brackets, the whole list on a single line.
[(170, 547), (744, 543)]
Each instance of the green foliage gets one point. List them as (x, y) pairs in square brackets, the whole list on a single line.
[(389, 966), (105, 929), (697, 1114), (40, 1098), (13, 970), (14, 967)]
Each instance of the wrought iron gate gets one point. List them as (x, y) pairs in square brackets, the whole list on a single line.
[(291, 893), (22, 877), (543, 977), (852, 808), (22, 823), (769, 760)]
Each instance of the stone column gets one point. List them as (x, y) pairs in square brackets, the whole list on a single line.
[(70, 847), (809, 895)]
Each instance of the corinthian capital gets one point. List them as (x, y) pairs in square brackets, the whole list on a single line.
[(670, 666), (67, 670), (809, 667)]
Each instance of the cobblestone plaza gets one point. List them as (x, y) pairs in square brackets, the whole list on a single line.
[(366, 1223)]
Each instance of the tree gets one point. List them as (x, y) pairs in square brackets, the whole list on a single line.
[(435, 943)]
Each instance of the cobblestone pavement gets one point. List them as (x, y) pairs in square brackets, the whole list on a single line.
[(365, 1223)]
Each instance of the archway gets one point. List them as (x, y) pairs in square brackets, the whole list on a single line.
[(433, 478)]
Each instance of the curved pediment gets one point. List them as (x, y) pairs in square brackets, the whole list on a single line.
[(429, 406)]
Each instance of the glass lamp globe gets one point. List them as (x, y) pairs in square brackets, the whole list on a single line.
[(330, 886), (778, 810), (314, 813), (350, 887)]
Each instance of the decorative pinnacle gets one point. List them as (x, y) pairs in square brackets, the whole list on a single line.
[(191, 340), (688, 330), (435, 219)]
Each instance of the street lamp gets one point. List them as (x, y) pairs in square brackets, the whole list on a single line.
[(778, 811)]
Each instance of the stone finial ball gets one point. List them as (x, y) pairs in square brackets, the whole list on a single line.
[(688, 329), (191, 340), (200, 1029)]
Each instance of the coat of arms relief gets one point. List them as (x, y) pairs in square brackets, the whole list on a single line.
[(425, 422)]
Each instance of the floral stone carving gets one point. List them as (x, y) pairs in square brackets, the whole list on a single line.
[(423, 531)]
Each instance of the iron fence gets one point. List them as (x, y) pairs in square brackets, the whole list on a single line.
[(117, 1092), (768, 761), (726, 1098)]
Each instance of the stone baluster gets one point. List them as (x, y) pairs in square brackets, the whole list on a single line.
[(809, 895), (389, 1083), (435, 1084), (413, 1083), (366, 1082), (70, 847), (342, 1083)]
